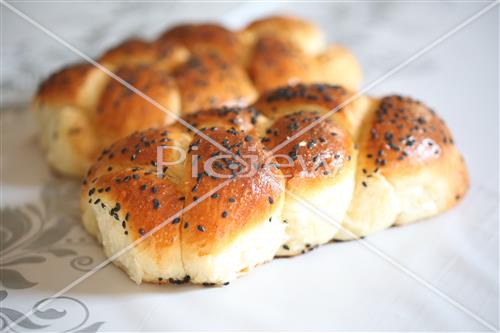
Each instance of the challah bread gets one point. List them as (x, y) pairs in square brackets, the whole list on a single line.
[(209, 242), (81, 110), (404, 169), (408, 168)]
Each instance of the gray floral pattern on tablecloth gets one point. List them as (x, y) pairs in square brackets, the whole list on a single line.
[(29, 235)]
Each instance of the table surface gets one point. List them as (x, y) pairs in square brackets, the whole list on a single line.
[(341, 286)]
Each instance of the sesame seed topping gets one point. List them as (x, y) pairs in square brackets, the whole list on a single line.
[(156, 203)]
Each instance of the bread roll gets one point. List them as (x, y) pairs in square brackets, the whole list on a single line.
[(276, 63), (206, 38), (408, 168), (342, 105), (121, 111), (212, 242), (62, 107), (319, 167), (308, 37), (209, 81)]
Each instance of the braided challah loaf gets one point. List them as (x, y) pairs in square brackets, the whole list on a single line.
[(237, 197), (81, 109)]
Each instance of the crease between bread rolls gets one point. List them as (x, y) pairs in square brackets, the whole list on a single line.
[(372, 164)]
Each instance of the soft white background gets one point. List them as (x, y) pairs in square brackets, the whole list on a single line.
[(340, 286)]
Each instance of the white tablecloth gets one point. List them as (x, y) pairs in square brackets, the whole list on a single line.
[(341, 286)]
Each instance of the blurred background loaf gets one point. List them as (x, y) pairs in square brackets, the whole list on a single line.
[(190, 67)]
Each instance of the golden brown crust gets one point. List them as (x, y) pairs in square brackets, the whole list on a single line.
[(345, 108), (139, 151), (142, 201), (65, 86), (208, 81), (405, 133), (278, 63), (136, 51), (242, 119), (319, 152), (216, 222), (207, 64), (302, 33), (121, 111), (206, 38)]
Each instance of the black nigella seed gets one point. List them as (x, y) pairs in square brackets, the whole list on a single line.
[(271, 200), (154, 189), (186, 225), (176, 220), (286, 247), (200, 228), (224, 214), (156, 203), (141, 231), (232, 199), (248, 138), (215, 196), (364, 184), (143, 187)]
